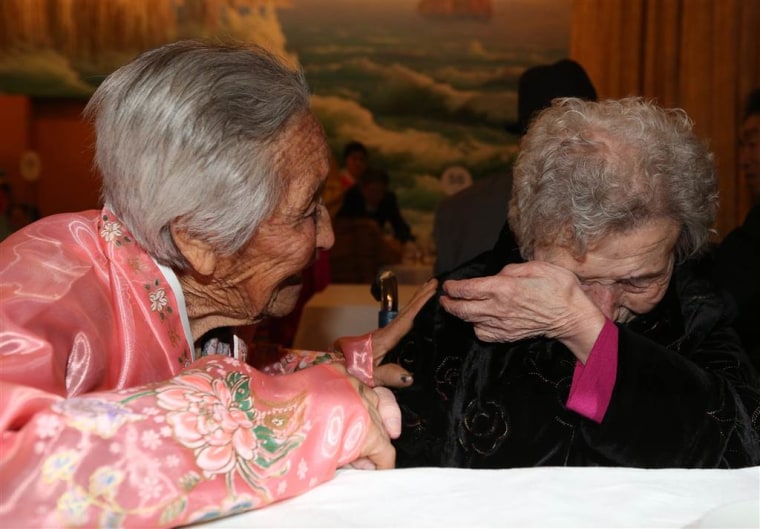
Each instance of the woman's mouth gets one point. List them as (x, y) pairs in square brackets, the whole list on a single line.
[(295, 279)]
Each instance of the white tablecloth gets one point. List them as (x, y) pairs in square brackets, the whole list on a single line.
[(340, 310), (534, 497)]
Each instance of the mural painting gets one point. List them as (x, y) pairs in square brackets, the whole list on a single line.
[(427, 85)]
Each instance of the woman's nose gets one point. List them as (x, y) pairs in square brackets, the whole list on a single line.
[(325, 234), (606, 297)]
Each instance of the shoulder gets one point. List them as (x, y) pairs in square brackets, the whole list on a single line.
[(702, 303), (56, 231), (390, 199), (739, 246), (352, 201), (751, 227), (497, 188)]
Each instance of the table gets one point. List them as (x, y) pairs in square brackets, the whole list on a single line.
[(527, 497), (340, 310)]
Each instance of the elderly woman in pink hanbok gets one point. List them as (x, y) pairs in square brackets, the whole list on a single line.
[(119, 403)]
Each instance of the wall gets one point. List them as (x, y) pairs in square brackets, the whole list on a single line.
[(14, 136), (63, 140), (699, 55)]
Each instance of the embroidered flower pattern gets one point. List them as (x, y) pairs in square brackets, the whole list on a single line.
[(486, 426), (60, 466), (159, 303), (275, 360), (303, 468), (97, 504), (101, 417), (150, 487), (48, 425), (73, 505), (158, 294), (215, 417), (158, 300), (150, 439), (113, 233), (105, 482), (238, 504)]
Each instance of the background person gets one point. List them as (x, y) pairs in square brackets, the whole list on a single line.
[(355, 162), (737, 261), (595, 342), (372, 197), (468, 223), (118, 407), (362, 246)]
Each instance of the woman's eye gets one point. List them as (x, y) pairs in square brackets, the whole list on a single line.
[(636, 285), (312, 214)]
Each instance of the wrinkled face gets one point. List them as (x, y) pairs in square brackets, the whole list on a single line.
[(623, 274), (267, 272), (749, 155)]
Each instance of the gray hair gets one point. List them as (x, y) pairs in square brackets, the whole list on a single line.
[(590, 169), (185, 135)]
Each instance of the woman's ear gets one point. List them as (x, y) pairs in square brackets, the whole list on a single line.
[(198, 253)]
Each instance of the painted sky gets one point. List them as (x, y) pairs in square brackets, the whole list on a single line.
[(527, 22), (423, 94)]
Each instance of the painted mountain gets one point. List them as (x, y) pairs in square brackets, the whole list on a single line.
[(475, 9), (66, 47), (426, 85)]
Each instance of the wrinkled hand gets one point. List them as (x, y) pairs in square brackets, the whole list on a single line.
[(384, 339), (526, 300), (385, 424)]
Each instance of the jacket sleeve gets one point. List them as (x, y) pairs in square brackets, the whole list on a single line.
[(680, 409), (274, 359), (592, 385), (353, 351), (219, 438)]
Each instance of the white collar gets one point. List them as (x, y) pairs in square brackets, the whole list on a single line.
[(173, 281)]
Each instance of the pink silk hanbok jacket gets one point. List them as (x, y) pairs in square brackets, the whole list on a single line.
[(107, 420)]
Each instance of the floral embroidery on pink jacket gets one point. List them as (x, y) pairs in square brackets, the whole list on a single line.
[(103, 425)]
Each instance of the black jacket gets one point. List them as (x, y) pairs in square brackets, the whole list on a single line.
[(685, 395), (737, 270)]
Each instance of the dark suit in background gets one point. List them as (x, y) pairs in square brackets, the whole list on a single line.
[(468, 223), (387, 212)]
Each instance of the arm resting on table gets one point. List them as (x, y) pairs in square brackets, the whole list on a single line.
[(218, 438)]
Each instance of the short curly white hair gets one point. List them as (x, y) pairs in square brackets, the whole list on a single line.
[(589, 169)]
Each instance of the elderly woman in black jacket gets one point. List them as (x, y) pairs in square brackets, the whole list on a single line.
[(587, 336)]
